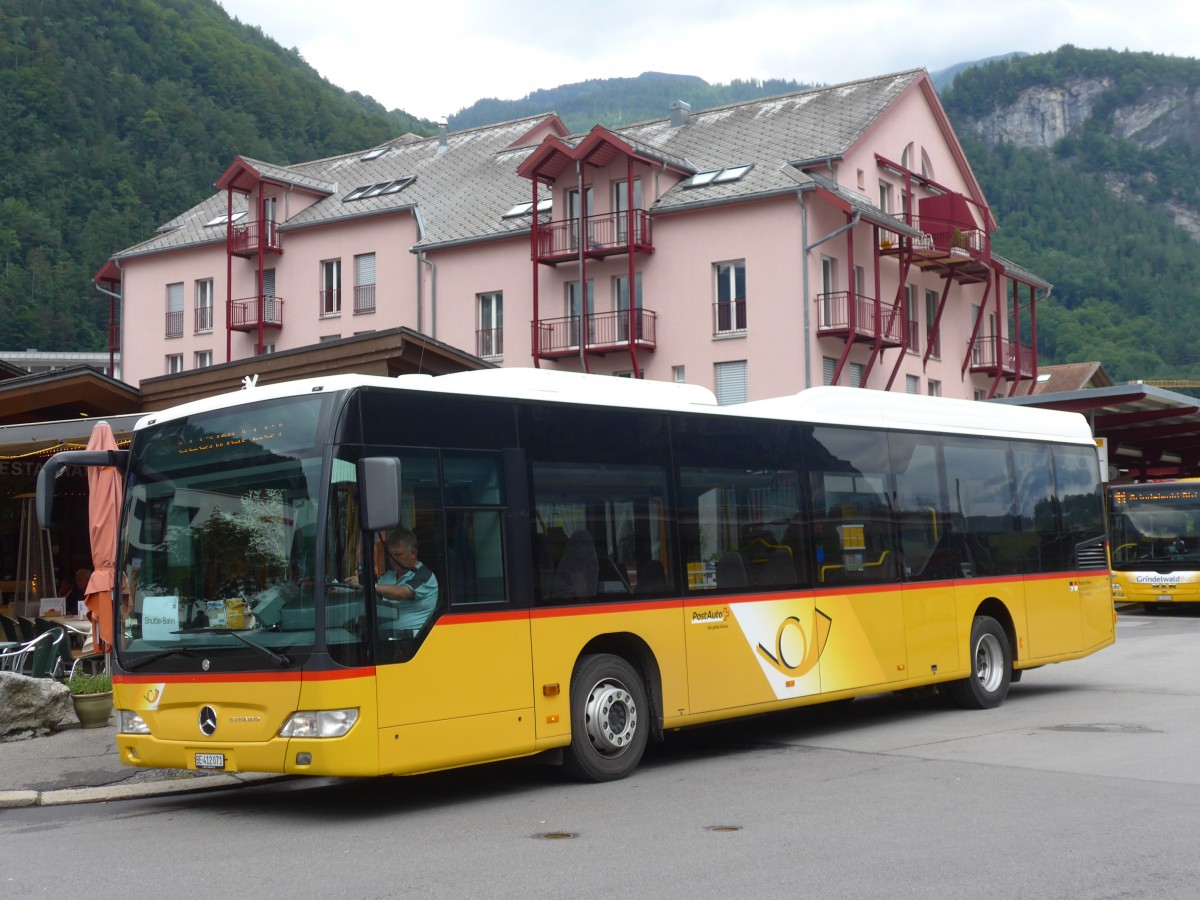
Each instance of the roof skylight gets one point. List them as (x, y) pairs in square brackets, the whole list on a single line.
[(373, 154), (524, 209), (719, 176), (220, 220), (364, 191)]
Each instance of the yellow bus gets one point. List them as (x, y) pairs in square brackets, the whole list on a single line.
[(590, 562), (1155, 533)]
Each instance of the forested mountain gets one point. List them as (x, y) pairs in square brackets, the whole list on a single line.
[(1091, 161), (119, 114), (619, 101)]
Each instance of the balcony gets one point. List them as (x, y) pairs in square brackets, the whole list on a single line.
[(489, 343), (606, 332), (729, 317), (364, 299), (203, 320), (174, 323), (946, 247), (983, 357), (244, 314), (607, 235), (245, 240), (852, 317)]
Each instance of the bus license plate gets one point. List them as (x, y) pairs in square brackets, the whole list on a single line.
[(210, 760)]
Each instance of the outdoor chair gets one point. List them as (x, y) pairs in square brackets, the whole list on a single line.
[(38, 658)]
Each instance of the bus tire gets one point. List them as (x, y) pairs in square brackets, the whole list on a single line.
[(991, 667), (609, 719)]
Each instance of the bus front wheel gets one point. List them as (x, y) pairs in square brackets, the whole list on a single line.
[(608, 719), (991, 667)]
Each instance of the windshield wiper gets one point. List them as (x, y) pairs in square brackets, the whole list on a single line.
[(278, 658), (154, 657)]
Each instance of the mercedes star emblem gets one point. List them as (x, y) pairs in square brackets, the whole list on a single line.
[(208, 721)]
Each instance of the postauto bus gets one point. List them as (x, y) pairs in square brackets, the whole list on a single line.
[(604, 560), (1155, 532)]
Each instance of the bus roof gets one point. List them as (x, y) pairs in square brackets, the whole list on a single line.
[(821, 405)]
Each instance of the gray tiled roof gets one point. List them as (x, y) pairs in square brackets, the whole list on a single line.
[(462, 194)]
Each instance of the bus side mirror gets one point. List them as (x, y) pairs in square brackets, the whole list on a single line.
[(44, 502), (379, 492)]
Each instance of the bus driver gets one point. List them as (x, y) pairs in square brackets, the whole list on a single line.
[(408, 583)]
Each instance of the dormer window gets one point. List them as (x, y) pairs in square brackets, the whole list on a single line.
[(718, 176), (380, 189)]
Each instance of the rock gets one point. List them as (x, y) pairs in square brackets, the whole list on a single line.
[(30, 706)]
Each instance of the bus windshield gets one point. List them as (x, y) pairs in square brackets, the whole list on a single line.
[(1155, 527), (218, 549)]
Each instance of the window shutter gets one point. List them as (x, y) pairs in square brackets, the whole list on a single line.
[(364, 269), (731, 382)]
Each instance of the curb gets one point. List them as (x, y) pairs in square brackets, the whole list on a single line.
[(104, 793)]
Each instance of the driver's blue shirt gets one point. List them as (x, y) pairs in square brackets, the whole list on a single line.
[(413, 614)]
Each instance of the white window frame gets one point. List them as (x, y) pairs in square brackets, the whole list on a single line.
[(489, 318), (174, 363), (202, 359), (331, 288), (204, 306)]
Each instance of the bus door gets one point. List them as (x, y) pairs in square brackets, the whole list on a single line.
[(452, 663), (855, 559)]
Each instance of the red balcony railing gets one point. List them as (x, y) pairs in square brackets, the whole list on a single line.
[(204, 319), (605, 234), (729, 317), (489, 343), (244, 314), (602, 333), (175, 323), (244, 240), (364, 298), (983, 357), (852, 316)]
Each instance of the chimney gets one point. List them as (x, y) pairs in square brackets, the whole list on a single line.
[(680, 113), (443, 138)]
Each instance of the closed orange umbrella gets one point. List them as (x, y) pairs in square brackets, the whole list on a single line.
[(104, 508)]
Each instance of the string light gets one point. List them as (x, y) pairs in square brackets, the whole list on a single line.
[(57, 448)]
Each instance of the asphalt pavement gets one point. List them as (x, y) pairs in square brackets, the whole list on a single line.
[(81, 765)]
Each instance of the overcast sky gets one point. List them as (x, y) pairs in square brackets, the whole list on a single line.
[(433, 59)]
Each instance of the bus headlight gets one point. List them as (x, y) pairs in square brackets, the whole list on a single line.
[(131, 723), (322, 723)]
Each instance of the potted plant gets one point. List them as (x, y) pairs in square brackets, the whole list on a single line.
[(92, 698)]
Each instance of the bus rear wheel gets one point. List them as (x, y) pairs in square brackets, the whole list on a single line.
[(608, 724), (991, 667)]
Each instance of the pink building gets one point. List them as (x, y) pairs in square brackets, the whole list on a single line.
[(836, 235)]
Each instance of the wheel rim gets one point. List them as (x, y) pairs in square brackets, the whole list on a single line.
[(989, 663), (610, 718)]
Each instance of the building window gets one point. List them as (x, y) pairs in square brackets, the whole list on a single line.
[(174, 363), (621, 305), (678, 374), (857, 371), (364, 283), (326, 338), (574, 310), (331, 287), (730, 380), (979, 395), (204, 305), (935, 343), (489, 336), (267, 348), (175, 310), (913, 338), (729, 312), (885, 197), (912, 384), (828, 368), (935, 388), (203, 359), (826, 310), (379, 189)]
